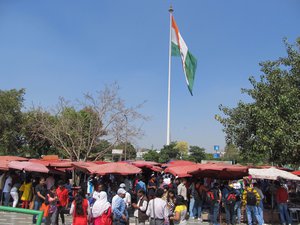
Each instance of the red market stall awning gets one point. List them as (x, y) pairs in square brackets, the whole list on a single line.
[(141, 163), (221, 171), (40, 161), (83, 166), (28, 166), (154, 166), (156, 169), (179, 163), (61, 163), (4, 165), (114, 168), (182, 171), (100, 162), (297, 172), (12, 158), (53, 163)]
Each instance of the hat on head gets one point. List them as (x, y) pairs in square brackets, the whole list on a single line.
[(122, 185), (121, 191)]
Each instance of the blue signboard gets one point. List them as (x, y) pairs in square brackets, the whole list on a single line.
[(216, 155), (216, 147)]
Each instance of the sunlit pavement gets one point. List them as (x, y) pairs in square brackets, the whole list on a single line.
[(7, 218)]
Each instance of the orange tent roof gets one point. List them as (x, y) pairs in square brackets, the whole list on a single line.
[(182, 171), (114, 168), (12, 158), (4, 165)]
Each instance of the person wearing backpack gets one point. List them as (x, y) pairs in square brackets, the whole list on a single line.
[(229, 200), (237, 206), (214, 197), (251, 200)]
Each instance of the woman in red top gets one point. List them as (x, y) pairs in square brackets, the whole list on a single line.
[(80, 209)]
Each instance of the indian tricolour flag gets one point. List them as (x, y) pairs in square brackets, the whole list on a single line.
[(179, 48)]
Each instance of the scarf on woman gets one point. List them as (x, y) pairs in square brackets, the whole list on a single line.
[(101, 205)]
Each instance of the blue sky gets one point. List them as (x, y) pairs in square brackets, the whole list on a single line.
[(67, 48)]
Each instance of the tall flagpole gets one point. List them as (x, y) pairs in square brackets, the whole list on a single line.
[(169, 77)]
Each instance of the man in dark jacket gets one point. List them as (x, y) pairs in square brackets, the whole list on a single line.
[(140, 208)]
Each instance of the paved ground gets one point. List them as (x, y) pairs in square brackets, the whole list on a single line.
[(7, 218)]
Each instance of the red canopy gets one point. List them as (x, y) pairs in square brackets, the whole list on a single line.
[(4, 165), (100, 162), (141, 163), (297, 172), (154, 166), (28, 166), (182, 171), (179, 163), (83, 166), (12, 158), (114, 168), (220, 171)]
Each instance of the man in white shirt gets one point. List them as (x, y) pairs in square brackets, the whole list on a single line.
[(6, 189), (140, 208), (181, 189), (157, 209)]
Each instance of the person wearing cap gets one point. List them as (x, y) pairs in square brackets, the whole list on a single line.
[(237, 206), (157, 209), (127, 198), (120, 216), (251, 199)]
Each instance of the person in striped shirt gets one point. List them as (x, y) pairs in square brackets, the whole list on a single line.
[(251, 200)]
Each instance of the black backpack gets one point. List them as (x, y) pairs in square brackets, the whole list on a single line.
[(231, 198), (212, 196), (251, 198)]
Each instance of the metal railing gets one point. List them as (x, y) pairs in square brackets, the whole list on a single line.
[(25, 211)]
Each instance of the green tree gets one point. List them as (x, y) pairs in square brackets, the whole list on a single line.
[(267, 129), (130, 150), (209, 156), (169, 152), (36, 144), (182, 147), (11, 120), (231, 153), (77, 130), (151, 155), (196, 154)]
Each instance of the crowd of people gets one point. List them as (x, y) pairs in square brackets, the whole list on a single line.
[(160, 199)]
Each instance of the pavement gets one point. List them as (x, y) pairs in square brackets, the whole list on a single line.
[(9, 218)]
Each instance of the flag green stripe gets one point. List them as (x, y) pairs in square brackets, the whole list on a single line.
[(175, 49), (190, 70)]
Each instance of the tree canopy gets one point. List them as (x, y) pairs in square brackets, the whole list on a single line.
[(176, 151), (267, 129), (85, 130), (11, 120)]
